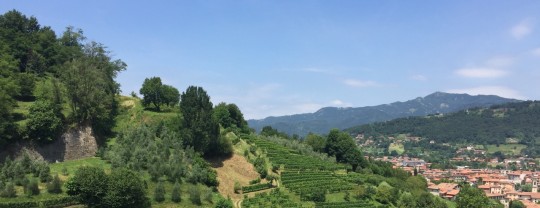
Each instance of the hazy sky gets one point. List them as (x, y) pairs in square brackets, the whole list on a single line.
[(285, 57)]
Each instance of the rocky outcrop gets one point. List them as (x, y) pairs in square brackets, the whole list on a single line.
[(76, 143)]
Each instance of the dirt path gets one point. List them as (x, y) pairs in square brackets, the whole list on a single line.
[(229, 170)]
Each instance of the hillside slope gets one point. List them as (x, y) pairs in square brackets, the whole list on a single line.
[(512, 122), (331, 117)]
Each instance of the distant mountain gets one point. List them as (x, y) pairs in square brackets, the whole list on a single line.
[(331, 117)]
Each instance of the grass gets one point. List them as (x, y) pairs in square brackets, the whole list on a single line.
[(72, 165), (399, 148), (507, 149)]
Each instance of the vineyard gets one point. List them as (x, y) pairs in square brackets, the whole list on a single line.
[(303, 176), (275, 198), (290, 159), (308, 181), (256, 187)]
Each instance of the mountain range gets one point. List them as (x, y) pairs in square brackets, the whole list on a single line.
[(323, 120)]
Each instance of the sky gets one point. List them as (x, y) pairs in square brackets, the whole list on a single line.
[(283, 57)]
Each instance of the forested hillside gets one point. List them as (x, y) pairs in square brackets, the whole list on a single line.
[(495, 125), (325, 119)]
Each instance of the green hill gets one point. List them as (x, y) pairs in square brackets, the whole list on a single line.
[(500, 124)]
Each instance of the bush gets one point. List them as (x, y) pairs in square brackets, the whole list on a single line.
[(90, 184), (256, 181), (55, 186), (159, 193), (237, 187), (9, 191), (175, 194), (125, 189), (208, 195), (195, 195), (224, 203), (32, 188)]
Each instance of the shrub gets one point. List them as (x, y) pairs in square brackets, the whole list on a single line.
[(55, 186), (90, 184), (159, 193), (208, 195), (195, 195), (9, 191), (256, 181), (32, 188), (125, 189), (237, 187), (175, 195), (224, 203)]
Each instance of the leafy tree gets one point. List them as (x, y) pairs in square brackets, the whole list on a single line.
[(125, 189), (55, 186), (195, 195), (171, 96), (90, 184), (27, 83), (175, 194), (152, 92), (428, 200), (9, 191), (8, 89), (224, 203), (159, 193), (200, 130), (406, 200), (471, 197), (316, 141), (384, 193), (342, 146), (92, 89), (44, 121), (526, 188), (516, 204), (32, 188)]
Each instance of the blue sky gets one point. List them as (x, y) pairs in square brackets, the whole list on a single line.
[(285, 57)]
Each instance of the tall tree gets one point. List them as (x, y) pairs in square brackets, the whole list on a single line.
[(471, 197), (171, 96), (92, 88), (152, 92), (200, 130)]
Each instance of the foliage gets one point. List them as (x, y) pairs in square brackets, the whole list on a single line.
[(44, 121), (224, 203), (317, 142), (9, 191), (471, 197), (256, 187), (55, 186), (159, 192), (237, 187), (230, 116), (32, 188), (89, 184), (195, 195), (125, 189), (175, 194), (342, 146), (199, 129), (516, 204)]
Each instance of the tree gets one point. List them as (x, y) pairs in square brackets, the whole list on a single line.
[(8, 89), (32, 188), (55, 186), (200, 130), (224, 203), (316, 141), (516, 204), (471, 197), (428, 200), (175, 194), (195, 195), (342, 146), (152, 92), (92, 88), (90, 184), (44, 121), (159, 193), (406, 200), (171, 96), (125, 189), (9, 191)]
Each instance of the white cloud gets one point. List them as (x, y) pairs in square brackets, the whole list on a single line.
[(521, 30), (481, 73), (536, 52), (501, 91), (360, 83), (500, 61), (340, 103), (419, 77)]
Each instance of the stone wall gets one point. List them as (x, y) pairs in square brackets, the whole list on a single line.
[(75, 143)]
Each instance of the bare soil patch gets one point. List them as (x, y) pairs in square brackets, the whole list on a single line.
[(229, 170)]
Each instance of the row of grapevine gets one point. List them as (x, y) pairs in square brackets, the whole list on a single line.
[(275, 198), (358, 204), (256, 187)]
